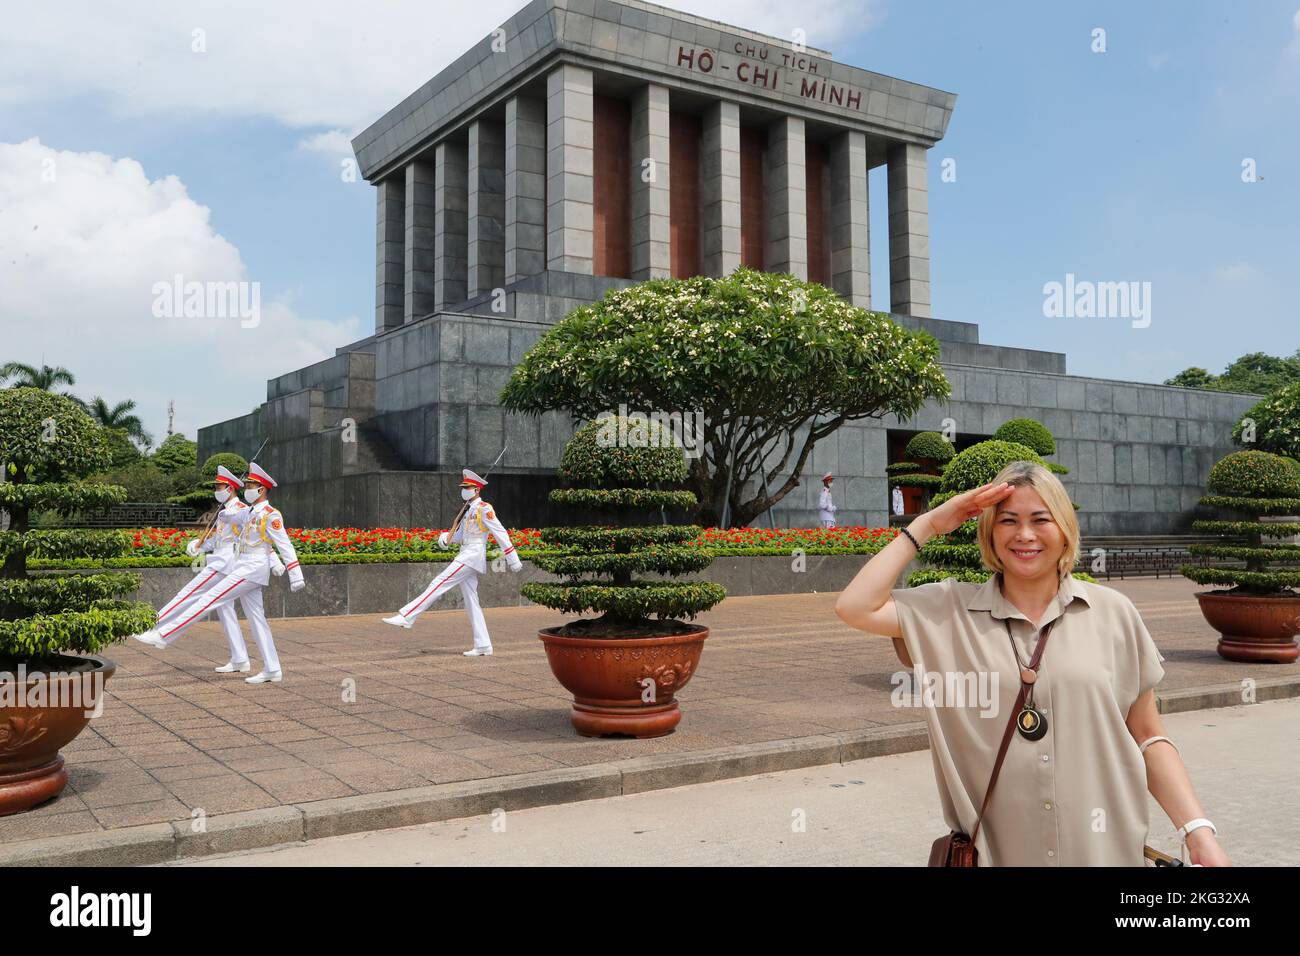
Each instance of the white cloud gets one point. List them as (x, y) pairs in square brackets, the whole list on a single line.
[(1294, 48), (307, 64), (333, 143), (1236, 272), (84, 237)]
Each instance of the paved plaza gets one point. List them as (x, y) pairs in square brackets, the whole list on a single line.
[(177, 740), (876, 812)]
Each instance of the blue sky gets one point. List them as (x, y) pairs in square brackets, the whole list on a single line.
[(1116, 166)]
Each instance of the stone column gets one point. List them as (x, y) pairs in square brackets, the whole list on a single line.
[(786, 179), (487, 207), (390, 260), (909, 231), (525, 188), (651, 212), (451, 230), (850, 219), (570, 164), (418, 258), (720, 189)]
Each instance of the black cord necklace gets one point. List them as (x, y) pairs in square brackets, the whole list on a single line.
[(1030, 722)]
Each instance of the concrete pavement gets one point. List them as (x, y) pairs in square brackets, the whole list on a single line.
[(878, 812)]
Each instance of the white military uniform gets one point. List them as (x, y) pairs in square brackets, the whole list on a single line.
[(219, 545), (471, 532), (897, 500), (249, 572), (826, 506)]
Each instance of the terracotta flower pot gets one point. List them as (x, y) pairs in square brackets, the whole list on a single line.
[(1253, 628), (37, 721), (607, 677)]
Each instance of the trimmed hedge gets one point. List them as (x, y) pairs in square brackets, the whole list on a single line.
[(611, 499), (1250, 482), (1027, 432), (931, 445)]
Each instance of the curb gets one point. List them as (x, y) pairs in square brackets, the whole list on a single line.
[(258, 829)]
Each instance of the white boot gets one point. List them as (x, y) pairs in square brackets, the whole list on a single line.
[(151, 638), (398, 621), (261, 677), (232, 668), (479, 652)]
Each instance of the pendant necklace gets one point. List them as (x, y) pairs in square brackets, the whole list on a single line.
[(1030, 721)]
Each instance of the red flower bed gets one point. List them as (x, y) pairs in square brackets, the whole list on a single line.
[(167, 542)]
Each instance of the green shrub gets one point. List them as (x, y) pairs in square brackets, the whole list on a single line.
[(49, 441), (1277, 422), (615, 554), (979, 464), (1027, 432), (929, 445), (1253, 474), (1251, 483)]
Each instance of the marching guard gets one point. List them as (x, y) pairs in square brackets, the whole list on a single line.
[(261, 536), (218, 542), (471, 529), (825, 505)]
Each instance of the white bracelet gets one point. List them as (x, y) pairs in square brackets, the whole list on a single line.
[(1196, 824), (1150, 740)]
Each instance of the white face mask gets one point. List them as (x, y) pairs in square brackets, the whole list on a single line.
[(223, 494), (467, 493), (252, 494)]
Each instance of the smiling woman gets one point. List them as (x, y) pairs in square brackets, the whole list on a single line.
[(1074, 781)]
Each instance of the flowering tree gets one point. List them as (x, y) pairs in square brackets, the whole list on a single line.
[(770, 364)]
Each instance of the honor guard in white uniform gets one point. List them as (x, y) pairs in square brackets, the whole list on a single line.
[(261, 536), (825, 506), (471, 529), (217, 542)]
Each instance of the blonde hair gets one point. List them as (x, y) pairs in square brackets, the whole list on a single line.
[(1049, 488)]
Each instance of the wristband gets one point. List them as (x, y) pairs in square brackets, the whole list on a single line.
[(1150, 740)]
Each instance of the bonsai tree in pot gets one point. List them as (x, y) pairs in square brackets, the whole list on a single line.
[(1258, 615), (624, 667), (47, 692)]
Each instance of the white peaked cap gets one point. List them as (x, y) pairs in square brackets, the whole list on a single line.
[(469, 478), (258, 474), (229, 477)]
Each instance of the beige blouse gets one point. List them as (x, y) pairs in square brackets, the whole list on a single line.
[(1075, 797)]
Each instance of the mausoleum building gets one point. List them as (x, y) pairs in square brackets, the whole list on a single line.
[(588, 144)]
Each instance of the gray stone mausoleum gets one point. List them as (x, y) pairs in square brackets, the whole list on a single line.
[(512, 187)]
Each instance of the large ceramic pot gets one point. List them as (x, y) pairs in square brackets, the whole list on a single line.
[(38, 720), (607, 677), (1253, 628)]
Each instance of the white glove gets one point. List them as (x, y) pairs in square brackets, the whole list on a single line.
[(297, 585), (277, 566), (444, 540), (192, 547), (516, 566)]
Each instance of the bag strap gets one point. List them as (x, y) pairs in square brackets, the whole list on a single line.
[(1006, 735)]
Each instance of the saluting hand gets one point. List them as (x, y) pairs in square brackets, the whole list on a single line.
[(952, 513)]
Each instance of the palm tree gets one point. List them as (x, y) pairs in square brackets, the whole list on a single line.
[(29, 376), (120, 417)]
